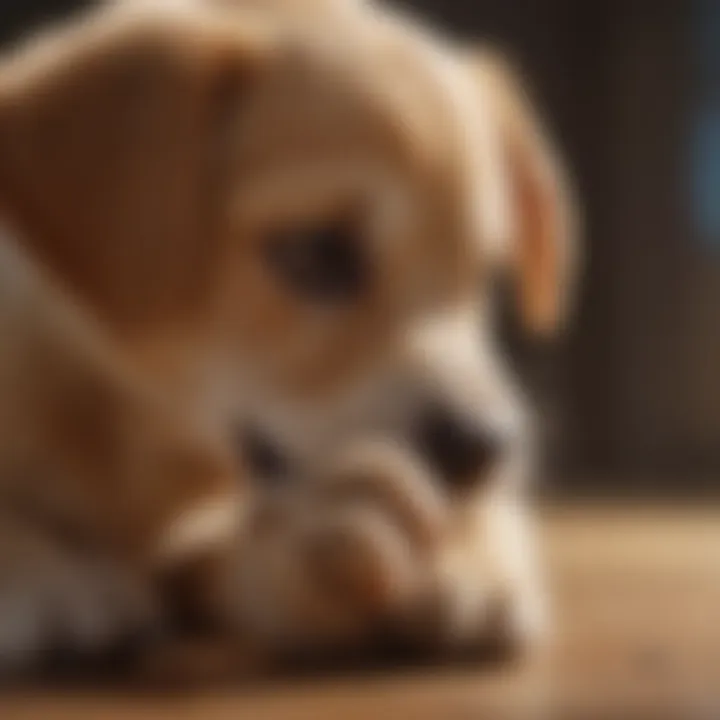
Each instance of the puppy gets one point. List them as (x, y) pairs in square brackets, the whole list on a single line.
[(224, 218)]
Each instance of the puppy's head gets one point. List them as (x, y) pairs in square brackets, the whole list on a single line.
[(382, 181), (323, 213)]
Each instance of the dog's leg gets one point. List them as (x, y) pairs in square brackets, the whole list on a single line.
[(493, 572), (522, 617), (377, 553), (327, 571), (87, 451), (369, 558), (82, 436)]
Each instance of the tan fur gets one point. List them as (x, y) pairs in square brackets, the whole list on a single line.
[(145, 155), (545, 249)]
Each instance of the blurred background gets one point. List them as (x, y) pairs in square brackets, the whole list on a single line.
[(631, 91)]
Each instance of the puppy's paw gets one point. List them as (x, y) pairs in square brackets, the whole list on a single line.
[(359, 559), (374, 555), (381, 517), (514, 626), (59, 610), (499, 595), (349, 557), (393, 482)]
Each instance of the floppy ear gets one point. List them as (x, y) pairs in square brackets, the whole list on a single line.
[(543, 246), (111, 153)]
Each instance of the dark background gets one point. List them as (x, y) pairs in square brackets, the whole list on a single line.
[(632, 394)]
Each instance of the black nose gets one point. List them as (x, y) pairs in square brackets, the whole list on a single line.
[(458, 448)]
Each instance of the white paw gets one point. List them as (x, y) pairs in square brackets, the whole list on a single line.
[(52, 599)]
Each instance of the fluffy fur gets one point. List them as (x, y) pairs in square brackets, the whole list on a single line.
[(145, 155)]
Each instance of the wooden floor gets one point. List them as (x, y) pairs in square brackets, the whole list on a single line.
[(637, 605)]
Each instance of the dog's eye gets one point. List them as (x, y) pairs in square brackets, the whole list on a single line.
[(322, 264)]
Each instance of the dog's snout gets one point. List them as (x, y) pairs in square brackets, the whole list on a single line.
[(459, 448)]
